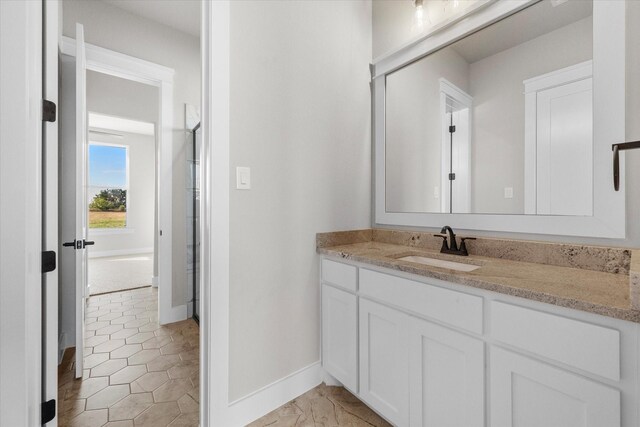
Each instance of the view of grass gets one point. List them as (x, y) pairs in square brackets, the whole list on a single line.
[(106, 219)]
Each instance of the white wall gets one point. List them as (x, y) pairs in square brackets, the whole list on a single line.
[(413, 151), (300, 118), (495, 83), (384, 40), (113, 28), (140, 200)]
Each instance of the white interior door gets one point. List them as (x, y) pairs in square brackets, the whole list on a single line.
[(81, 195), (565, 149)]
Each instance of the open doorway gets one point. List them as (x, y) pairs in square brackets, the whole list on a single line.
[(135, 356), (121, 191)]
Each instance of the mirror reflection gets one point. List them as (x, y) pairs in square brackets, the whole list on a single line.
[(499, 122)]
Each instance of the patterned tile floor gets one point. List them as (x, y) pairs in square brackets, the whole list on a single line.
[(136, 373), (322, 406)]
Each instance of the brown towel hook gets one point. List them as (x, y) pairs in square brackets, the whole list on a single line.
[(616, 159)]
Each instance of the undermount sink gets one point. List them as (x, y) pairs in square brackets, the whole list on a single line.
[(451, 265)]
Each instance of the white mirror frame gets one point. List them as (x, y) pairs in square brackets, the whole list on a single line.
[(609, 216)]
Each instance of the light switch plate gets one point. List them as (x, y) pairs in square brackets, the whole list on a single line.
[(508, 192), (243, 178)]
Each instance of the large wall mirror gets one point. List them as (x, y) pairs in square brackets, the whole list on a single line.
[(503, 122)]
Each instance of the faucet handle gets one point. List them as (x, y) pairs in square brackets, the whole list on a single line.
[(463, 245), (445, 245)]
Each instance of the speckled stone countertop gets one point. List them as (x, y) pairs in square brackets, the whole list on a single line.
[(601, 286)]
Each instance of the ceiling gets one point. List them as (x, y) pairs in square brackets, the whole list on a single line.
[(182, 15), (536, 20)]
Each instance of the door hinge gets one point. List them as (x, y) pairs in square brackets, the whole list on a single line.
[(48, 111), (48, 261), (48, 410), (452, 176), (452, 129)]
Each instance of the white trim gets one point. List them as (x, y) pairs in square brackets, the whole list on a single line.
[(559, 77), (50, 204), (532, 86), (251, 407), (480, 15), (609, 218), (62, 346), (135, 69), (448, 89), (154, 281), (110, 231), (176, 314), (214, 214), (20, 216), (119, 252), (118, 64)]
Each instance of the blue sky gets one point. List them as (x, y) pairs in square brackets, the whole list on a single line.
[(107, 166)]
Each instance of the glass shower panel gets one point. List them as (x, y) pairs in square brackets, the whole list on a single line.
[(193, 220)]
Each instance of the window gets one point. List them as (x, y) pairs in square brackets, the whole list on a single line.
[(108, 185)]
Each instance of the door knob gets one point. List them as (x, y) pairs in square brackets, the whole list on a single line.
[(86, 243), (76, 244)]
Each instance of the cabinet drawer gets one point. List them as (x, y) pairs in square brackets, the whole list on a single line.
[(585, 346), (447, 306), (339, 274)]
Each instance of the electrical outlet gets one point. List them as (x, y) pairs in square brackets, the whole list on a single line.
[(508, 192)]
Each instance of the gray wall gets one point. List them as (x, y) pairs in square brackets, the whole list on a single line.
[(113, 28), (300, 118), (413, 151), (383, 40)]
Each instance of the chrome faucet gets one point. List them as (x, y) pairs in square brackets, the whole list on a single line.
[(452, 248)]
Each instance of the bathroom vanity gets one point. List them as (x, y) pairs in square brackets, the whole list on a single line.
[(500, 119), (511, 343)]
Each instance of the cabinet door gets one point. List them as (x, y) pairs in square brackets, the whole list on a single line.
[(447, 377), (339, 336), (528, 393), (384, 375)]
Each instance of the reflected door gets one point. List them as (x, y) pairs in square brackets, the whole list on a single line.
[(565, 149)]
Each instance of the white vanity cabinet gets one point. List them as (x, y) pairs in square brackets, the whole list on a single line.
[(340, 335), (384, 362), (446, 377), (427, 353), (529, 393)]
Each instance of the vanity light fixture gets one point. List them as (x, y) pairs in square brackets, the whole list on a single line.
[(419, 17)]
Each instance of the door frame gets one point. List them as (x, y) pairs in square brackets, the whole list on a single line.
[(135, 69), (449, 90), (21, 128), (532, 86)]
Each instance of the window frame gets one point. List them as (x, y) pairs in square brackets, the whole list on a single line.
[(126, 229)]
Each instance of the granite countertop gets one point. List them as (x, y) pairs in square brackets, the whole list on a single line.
[(600, 292)]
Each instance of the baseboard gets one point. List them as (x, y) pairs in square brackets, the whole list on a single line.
[(175, 314), (330, 380), (189, 310), (154, 281), (62, 346), (120, 252), (259, 403)]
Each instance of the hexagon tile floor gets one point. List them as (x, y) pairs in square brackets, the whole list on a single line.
[(137, 373)]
